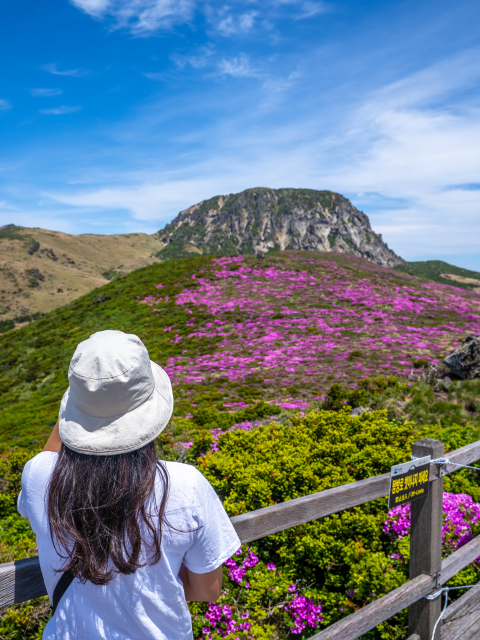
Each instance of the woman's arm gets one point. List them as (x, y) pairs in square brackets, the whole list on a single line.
[(201, 587), (54, 443)]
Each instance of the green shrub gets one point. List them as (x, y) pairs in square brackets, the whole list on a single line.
[(343, 553), (346, 557), (421, 363)]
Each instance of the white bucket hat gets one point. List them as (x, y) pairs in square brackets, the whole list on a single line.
[(118, 400)]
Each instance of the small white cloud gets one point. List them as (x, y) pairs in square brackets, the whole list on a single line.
[(59, 111), (5, 104), (45, 93), (310, 9), (152, 75), (142, 17), (231, 25), (306, 8), (95, 8), (52, 68), (238, 67), (197, 60)]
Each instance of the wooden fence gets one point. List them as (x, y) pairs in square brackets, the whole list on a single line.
[(22, 580)]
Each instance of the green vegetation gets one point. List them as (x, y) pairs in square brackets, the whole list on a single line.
[(213, 203), (174, 250), (435, 270), (13, 232), (8, 325), (111, 274), (346, 559)]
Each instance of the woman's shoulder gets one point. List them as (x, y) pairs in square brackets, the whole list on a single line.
[(187, 480), (181, 473), (39, 467)]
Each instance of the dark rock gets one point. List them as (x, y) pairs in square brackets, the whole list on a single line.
[(359, 410), (33, 248), (34, 277), (471, 406), (50, 254), (101, 298), (464, 361)]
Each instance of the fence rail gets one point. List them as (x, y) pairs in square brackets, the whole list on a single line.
[(22, 580)]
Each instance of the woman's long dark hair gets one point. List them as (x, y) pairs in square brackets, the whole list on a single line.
[(96, 505)]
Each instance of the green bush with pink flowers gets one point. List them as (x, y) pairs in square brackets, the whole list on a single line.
[(339, 563)]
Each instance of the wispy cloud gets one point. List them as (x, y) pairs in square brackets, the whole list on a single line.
[(5, 104), (198, 60), (141, 17), (238, 67), (310, 9), (275, 88), (95, 8), (306, 8), (53, 69), (59, 111), (45, 93), (231, 24)]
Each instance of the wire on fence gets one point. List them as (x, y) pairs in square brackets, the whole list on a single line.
[(446, 590)]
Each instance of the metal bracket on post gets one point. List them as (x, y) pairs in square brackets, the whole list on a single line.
[(438, 577)]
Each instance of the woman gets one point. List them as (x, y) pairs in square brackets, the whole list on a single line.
[(127, 538)]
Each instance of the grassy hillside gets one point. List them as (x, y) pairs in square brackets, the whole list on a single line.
[(439, 271), (41, 270), (234, 331), (264, 355)]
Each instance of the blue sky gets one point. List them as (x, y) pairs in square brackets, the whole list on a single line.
[(117, 114)]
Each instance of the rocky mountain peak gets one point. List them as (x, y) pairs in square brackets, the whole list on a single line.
[(260, 220)]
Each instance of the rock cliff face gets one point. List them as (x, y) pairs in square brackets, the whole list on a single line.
[(261, 220)]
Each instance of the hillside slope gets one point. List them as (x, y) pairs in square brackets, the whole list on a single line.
[(231, 331), (41, 270), (260, 220), (439, 271)]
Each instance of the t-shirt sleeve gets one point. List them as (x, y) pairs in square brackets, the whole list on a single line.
[(216, 540)]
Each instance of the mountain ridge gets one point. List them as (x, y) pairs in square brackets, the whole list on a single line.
[(261, 219)]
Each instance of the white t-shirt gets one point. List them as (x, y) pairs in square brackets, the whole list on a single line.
[(149, 604)]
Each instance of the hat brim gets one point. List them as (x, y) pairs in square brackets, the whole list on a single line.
[(118, 434)]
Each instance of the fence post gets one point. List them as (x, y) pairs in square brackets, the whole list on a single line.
[(426, 544)]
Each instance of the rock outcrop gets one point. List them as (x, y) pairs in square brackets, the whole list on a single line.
[(261, 220), (464, 361)]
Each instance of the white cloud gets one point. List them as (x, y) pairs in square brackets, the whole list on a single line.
[(238, 67), (95, 8), (53, 69), (276, 88), (45, 93), (59, 111), (306, 8), (142, 17), (234, 24), (412, 140), (197, 60), (146, 201), (5, 104)]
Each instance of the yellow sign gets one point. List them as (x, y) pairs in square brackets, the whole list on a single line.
[(409, 486)]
